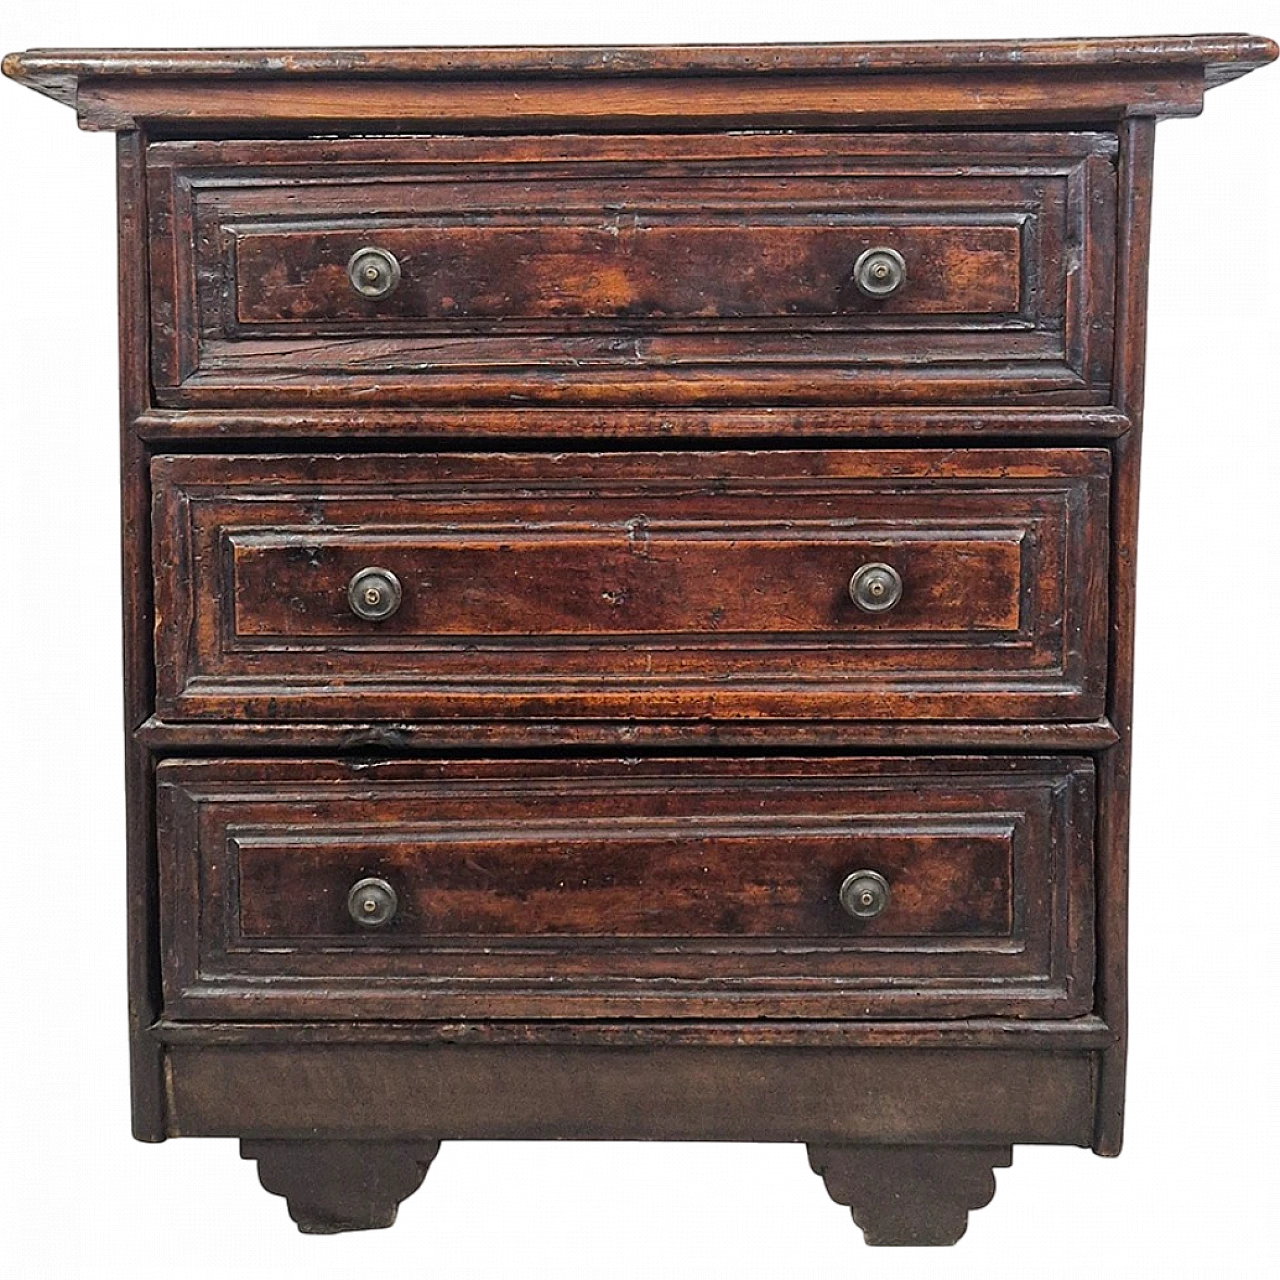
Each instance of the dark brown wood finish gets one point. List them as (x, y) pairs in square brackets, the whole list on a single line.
[(684, 1092), (663, 586), (614, 269), (1218, 57), (659, 888), (1221, 56), (674, 264), (977, 97), (563, 426), (835, 85), (1138, 154), (906, 1103), (548, 736), (341, 1186), (1058, 1034), (910, 1195), (142, 882), (604, 250)]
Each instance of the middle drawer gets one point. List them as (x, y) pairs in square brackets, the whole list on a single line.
[(923, 584)]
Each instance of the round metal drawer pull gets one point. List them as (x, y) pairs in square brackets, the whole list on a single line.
[(374, 273), (374, 594), (864, 894), (372, 902), (880, 272), (875, 588)]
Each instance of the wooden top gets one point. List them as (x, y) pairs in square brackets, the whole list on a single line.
[(56, 71), (1154, 75)]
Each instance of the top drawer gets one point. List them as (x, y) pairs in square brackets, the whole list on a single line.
[(822, 269)]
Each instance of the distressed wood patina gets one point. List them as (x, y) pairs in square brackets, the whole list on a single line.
[(628, 573)]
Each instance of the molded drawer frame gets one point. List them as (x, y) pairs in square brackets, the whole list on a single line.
[(990, 859), (684, 270), (663, 587)]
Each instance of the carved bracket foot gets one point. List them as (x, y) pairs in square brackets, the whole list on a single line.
[(336, 1186), (910, 1195)]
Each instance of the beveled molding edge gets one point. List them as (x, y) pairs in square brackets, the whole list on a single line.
[(1223, 55), (682, 737), (1085, 1033), (542, 426), (840, 85)]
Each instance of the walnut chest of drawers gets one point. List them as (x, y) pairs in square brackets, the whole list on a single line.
[(629, 598)]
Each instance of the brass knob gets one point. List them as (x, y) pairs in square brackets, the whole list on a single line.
[(374, 594), (876, 588), (864, 894), (372, 902), (374, 273), (880, 272)]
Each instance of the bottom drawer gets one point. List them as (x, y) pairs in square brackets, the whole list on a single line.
[(845, 888)]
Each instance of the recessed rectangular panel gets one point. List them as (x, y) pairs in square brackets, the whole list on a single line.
[(644, 879), (638, 578), (625, 267)]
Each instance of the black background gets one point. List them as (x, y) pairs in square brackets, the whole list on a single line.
[(1215, 286)]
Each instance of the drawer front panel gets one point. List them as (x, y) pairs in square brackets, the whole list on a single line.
[(652, 587), (672, 888), (608, 270)]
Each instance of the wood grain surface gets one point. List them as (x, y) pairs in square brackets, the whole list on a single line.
[(666, 888), (657, 586), (662, 269)]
